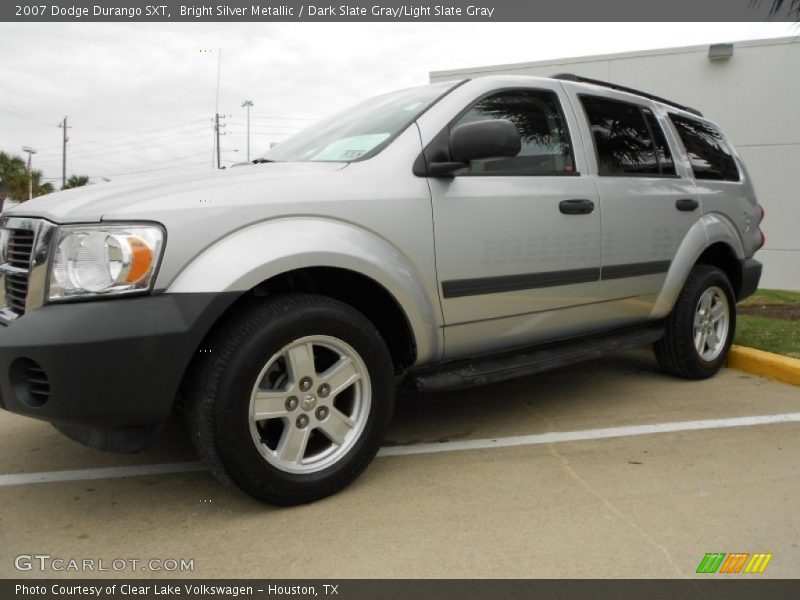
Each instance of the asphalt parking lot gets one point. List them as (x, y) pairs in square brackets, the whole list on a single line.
[(619, 503)]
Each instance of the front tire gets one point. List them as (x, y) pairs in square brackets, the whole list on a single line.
[(700, 329), (294, 399)]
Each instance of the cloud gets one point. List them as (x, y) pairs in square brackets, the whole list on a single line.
[(142, 96)]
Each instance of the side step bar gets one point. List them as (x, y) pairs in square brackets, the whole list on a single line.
[(500, 367)]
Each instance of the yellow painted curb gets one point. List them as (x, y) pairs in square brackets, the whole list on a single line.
[(765, 364)]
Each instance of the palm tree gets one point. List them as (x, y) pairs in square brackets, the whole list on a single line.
[(76, 181), (15, 181), (39, 188), (792, 7), (19, 185), (11, 168)]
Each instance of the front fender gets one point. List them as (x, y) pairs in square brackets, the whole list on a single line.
[(249, 256), (709, 229)]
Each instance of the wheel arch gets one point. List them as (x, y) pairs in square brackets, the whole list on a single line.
[(722, 256), (354, 289), (332, 258), (712, 240)]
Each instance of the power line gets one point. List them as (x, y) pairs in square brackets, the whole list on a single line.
[(170, 161), (111, 139), (202, 162), (284, 118), (138, 145), (265, 132), (275, 127), (192, 155), (157, 129), (22, 116), (235, 116), (142, 144), (95, 124)]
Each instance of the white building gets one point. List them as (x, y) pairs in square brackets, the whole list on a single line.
[(753, 93)]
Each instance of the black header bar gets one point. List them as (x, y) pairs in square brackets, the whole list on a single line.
[(390, 10), (709, 588)]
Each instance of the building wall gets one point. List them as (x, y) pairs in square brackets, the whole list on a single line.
[(755, 98)]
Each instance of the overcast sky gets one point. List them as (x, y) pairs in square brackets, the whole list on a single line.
[(140, 97)]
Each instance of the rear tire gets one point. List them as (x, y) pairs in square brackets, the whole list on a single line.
[(700, 329), (293, 400)]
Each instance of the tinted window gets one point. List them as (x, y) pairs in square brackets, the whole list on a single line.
[(709, 154), (665, 162), (546, 148), (622, 138)]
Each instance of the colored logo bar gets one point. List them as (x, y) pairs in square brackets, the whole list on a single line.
[(735, 562)]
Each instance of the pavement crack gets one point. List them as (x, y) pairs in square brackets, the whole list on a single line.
[(573, 474)]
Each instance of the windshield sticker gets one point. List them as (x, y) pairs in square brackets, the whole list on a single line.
[(351, 148)]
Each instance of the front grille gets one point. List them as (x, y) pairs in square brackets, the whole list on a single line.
[(20, 248), (19, 253)]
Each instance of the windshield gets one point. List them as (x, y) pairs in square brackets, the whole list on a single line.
[(361, 131)]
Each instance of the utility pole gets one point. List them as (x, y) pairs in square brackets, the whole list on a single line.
[(216, 108), (64, 153), (247, 104), (31, 152), (217, 128), (213, 143)]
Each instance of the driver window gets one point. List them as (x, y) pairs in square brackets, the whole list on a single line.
[(546, 147)]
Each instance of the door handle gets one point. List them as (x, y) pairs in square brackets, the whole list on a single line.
[(576, 207), (687, 204)]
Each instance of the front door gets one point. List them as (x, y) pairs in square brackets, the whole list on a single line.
[(517, 239)]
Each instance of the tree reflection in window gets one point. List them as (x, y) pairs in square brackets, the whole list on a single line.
[(546, 148), (708, 153), (621, 136)]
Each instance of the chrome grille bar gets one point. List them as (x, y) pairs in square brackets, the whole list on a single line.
[(23, 272), (18, 254)]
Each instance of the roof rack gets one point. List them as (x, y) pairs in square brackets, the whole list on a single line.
[(622, 88)]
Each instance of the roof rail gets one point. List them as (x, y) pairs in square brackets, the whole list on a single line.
[(622, 88)]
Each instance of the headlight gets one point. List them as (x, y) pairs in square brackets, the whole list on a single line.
[(104, 260)]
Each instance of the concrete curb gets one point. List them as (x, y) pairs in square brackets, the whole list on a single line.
[(765, 364)]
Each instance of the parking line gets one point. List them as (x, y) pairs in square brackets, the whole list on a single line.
[(457, 446), (102, 473), (588, 434)]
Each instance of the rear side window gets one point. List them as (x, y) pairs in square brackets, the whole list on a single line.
[(710, 156), (537, 115), (627, 138)]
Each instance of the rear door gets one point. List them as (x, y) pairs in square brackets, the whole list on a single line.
[(648, 201), (516, 256), (722, 182)]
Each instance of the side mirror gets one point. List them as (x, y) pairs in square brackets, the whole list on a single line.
[(481, 140), (452, 151)]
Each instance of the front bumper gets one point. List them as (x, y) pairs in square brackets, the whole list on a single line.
[(110, 364)]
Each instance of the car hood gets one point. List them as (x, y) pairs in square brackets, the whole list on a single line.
[(116, 200)]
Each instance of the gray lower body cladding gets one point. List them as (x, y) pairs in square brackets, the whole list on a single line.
[(108, 364), (751, 276)]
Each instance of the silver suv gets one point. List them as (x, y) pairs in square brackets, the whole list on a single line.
[(455, 234)]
